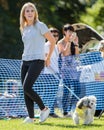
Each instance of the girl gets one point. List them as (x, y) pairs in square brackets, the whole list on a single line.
[(33, 34)]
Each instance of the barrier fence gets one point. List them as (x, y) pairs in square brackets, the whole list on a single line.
[(84, 77)]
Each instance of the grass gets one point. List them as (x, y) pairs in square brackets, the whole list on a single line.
[(51, 124)]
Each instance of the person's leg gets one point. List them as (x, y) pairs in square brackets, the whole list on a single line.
[(74, 82), (33, 71), (65, 101), (65, 90), (24, 70), (65, 73), (76, 90), (52, 110), (52, 86), (29, 75), (66, 97), (31, 96)]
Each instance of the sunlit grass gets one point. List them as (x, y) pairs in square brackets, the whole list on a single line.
[(51, 124)]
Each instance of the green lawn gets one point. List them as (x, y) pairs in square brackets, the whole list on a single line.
[(51, 124)]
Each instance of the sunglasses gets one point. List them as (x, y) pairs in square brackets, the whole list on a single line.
[(69, 28), (54, 31), (56, 35)]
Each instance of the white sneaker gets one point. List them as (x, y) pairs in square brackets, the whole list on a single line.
[(28, 120), (44, 115)]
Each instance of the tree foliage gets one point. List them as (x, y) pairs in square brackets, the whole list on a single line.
[(52, 12), (95, 15)]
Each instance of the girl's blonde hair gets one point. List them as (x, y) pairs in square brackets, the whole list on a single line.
[(23, 21)]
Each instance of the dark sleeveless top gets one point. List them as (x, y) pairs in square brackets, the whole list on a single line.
[(72, 48)]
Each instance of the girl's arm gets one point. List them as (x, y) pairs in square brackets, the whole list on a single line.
[(52, 41)]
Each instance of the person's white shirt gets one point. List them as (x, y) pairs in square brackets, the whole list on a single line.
[(53, 60)]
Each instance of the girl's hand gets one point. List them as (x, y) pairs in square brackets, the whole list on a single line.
[(47, 62), (73, 37)]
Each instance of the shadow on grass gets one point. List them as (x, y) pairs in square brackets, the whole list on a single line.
[(69, 125)]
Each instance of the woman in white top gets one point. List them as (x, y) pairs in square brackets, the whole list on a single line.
[(33, 34), (55, 54), (53, 68)]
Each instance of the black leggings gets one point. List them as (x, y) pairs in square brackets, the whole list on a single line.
[(30, 71)]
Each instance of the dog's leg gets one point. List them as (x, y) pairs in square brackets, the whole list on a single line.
[(91, 119), (75, 118), (86, 121), (88, 118), (91, 113)]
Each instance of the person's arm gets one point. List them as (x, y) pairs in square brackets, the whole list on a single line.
[(75, 41), (76, 49), (63, 48), (60, 47), (76, 45), (52, 41)]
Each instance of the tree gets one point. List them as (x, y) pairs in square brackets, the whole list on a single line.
[(94, 16), (52, 12)]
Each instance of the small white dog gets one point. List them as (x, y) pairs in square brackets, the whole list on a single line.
[(85, 110)]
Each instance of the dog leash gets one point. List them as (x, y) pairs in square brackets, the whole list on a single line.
[(56, 76)]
